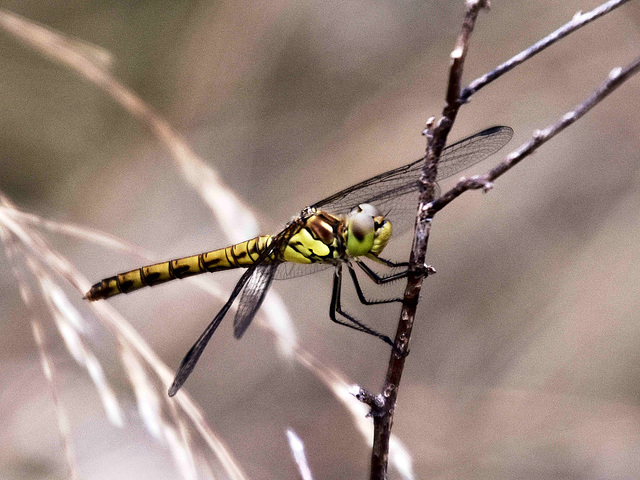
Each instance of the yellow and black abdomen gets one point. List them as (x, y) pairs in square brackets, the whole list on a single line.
[(242, 254)]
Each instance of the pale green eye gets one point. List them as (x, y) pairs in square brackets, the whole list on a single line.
[(361, 233), (361, 225)]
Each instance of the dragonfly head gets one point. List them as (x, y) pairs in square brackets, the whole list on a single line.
[(368, 232)]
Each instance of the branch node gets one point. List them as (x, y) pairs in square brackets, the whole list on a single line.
[(375, 402), (424, 269), (428, 129), (361, 394), (457, 53), (487, 186), (473, 4), (615, 73), (538, 135), (388, 391), (511, 157), (444, 122), (476, 182)]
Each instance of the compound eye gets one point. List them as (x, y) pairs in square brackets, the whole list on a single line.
[(366, 208), (361, 224)]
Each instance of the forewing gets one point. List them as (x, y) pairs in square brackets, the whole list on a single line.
[(395, 192), (252, 296), (471, 150), (291, 270)]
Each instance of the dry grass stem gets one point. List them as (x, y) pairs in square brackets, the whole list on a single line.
[(297, 451), (155, 408)]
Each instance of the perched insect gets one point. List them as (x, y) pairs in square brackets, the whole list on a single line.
[(339, 230)]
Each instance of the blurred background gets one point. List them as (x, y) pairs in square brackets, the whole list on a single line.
[(525, 356)]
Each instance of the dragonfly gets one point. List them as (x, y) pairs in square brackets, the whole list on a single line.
[(339, 231)]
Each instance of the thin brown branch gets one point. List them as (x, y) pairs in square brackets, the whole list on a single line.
[(438, 137), (383, 420), (579, 20), (616, 77), (458, 56)]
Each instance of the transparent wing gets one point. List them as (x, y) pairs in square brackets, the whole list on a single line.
[(395, 192), (291, 270), (193, 355), (253, 286), (252, 296)]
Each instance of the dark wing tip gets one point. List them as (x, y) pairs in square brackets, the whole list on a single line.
[(497, 128), (186, 367), (499, 131), (503, 130), (175, 386)]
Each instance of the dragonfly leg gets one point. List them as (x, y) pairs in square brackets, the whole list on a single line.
[(391, 264), (336, 308), (381, 279), (360, 293)]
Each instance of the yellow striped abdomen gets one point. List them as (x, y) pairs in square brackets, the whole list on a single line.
[(240, 255)]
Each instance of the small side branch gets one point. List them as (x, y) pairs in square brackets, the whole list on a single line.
[(579, 20), (617, 77)]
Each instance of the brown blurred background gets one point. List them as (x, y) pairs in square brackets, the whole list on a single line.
[(525, 356)]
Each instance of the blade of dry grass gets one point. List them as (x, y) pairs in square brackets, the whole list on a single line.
[(41, 259), (297, 450), (234, 217), (45, 359)]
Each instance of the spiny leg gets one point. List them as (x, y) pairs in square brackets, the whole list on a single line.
[(426, 269), (379, 279), (392, 264), (363, 299), (382, 279), (336, 308)]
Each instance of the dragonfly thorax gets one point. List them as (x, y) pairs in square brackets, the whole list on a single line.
[(320, 237), (367, 231)]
